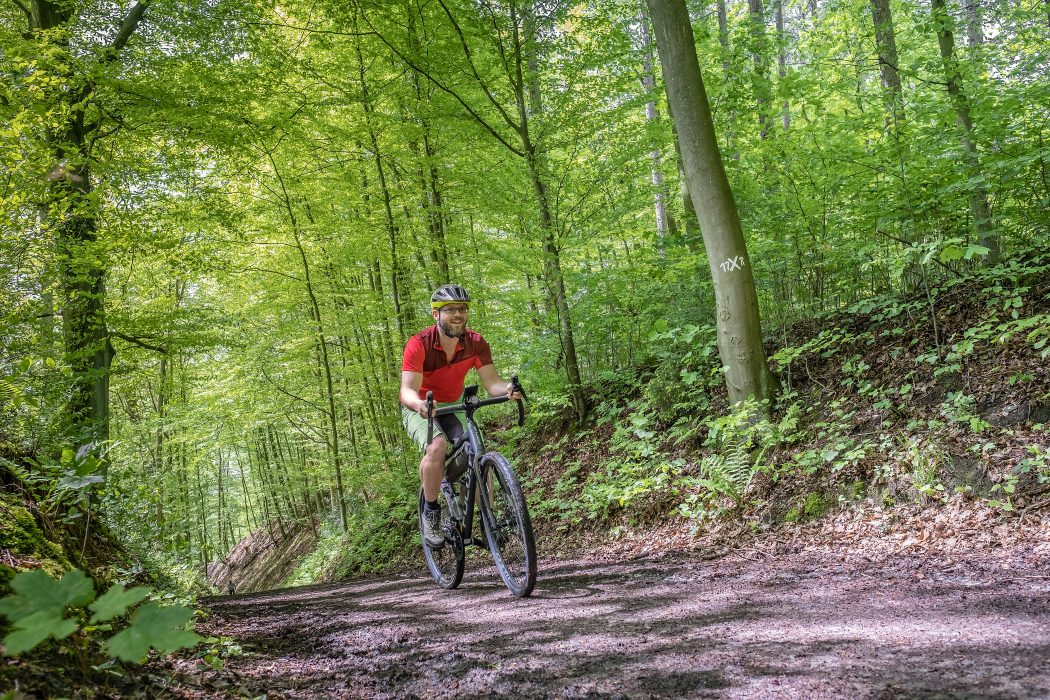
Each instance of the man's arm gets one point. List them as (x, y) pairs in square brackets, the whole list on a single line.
[(410, 383), (494, 385)]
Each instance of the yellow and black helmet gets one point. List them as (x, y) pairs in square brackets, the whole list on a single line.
[(449, 294)]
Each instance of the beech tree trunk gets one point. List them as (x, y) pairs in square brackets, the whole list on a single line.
[(739, 329), (81, 263), (397, 272), (535, 158), (759, 55), (886, 45), (785, 107), (723, 49), (664, 225), (430, 177), (981, 210)]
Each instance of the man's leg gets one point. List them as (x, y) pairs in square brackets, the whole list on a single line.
[(431, 471), (432, 468)]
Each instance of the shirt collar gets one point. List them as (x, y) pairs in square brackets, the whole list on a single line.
[(460, 342)]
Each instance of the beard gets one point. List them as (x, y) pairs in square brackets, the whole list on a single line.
[(451, 332)]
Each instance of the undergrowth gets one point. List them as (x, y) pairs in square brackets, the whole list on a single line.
[(896, 398)]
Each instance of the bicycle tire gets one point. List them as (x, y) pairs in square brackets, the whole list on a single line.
[(508, 528), (446, 562)]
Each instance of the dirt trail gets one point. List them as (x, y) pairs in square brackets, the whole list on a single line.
[(812, 625)]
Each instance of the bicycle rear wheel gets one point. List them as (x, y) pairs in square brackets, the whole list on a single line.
[(508, 528), (446, 561)]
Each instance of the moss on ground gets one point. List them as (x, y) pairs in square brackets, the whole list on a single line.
[(815, 506), (23, 543)]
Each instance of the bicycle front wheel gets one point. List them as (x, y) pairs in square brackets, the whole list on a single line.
[(508, 528), (445, 562)]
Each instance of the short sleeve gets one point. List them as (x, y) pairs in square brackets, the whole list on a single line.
[(484, 356), (412, 360)]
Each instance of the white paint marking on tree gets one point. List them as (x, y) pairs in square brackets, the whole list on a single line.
[(731, 264)]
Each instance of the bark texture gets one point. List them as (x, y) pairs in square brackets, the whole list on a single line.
[(738, 325), (81, 263), (980, 208)]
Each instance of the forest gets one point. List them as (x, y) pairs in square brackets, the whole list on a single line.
[(764, 269)]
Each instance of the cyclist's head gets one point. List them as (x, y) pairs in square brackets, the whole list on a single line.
[(449, 306), (449, 294)]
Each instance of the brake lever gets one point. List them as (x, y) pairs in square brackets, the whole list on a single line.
[(516, 386)]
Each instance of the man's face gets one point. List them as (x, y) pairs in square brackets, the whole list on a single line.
[(452, 319)]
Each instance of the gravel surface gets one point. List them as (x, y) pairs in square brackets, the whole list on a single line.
[(815, 624)]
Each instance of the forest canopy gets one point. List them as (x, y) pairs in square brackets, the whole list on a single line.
[(221, 220)]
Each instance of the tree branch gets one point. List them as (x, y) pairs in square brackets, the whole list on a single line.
[(23, 8), (470, 110), (127, 28), (499, 36), (289, 394), (474, 71), (139, 342)]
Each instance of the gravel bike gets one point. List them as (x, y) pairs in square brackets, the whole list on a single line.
[(486, 478)]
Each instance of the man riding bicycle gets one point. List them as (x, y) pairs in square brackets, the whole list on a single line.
[(437, 360)]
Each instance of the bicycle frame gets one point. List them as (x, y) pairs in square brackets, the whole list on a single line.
[(474, 445)]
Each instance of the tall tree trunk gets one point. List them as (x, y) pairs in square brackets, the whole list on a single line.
[(893, 104), (987, 236), (739, 330), (430, 178), (527, 78), (886, 45), (250, 519), (760, 58), (974, 23), (81, 262), (333, 420), (785, 106), (726, 55), (397, 271), (664, 223)]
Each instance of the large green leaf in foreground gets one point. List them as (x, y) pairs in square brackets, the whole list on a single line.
[(37, 607), (116, 601), (153, 626)]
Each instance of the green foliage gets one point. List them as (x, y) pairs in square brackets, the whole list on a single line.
[(813, 507), (116, 601), (153, 626), (212, 218), (22, 536), (38, 606), (64, 487)]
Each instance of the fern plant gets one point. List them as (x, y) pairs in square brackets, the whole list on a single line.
[(728, 472)]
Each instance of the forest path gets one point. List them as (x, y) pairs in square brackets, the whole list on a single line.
[(817, 624)]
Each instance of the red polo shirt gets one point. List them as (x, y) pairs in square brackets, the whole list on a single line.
[(441, 374)]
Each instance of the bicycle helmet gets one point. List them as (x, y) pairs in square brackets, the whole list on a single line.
[(449, 294)]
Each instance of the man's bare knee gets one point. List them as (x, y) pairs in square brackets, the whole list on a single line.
[(437, 447)]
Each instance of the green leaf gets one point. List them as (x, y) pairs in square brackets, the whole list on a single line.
[(75, 482), (33, 629), (116, 601), (951, 252), (153, 626), (35, 591), (973, 249)]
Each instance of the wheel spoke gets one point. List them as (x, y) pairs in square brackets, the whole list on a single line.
[(507, 527)]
